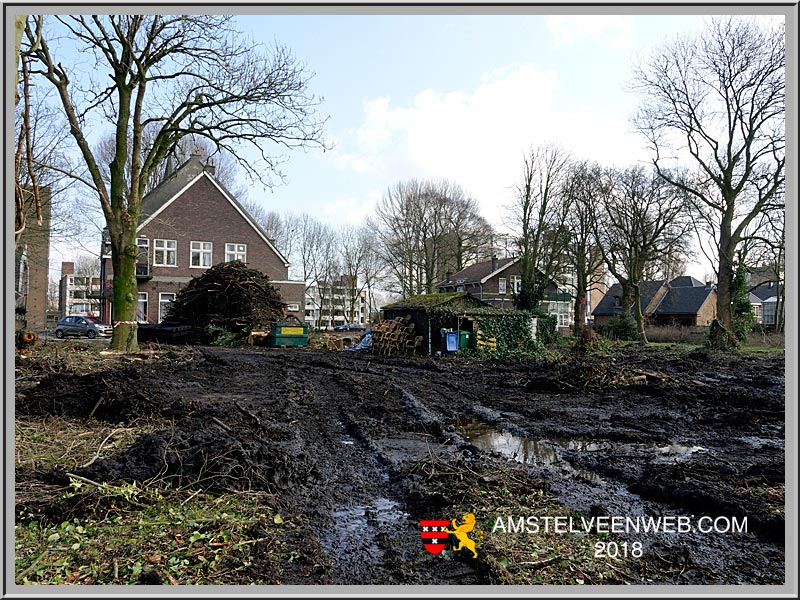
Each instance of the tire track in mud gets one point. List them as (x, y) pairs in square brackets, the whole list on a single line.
[(344, 436), (365, 425)]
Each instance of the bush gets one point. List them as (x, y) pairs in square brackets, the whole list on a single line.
[(621, 328), (546, 331)]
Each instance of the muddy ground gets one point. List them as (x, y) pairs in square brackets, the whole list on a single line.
[(367, 446)]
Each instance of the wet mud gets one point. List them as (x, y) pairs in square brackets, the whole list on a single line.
[(348, 439)]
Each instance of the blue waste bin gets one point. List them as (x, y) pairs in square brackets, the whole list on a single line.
[(449, 341)]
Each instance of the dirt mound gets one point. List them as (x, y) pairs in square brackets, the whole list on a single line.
[(112, 395), (199, 455)]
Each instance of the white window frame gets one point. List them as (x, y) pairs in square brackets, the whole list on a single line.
[(516, 283), (161, 301), (199, 249), (502, 286), (142, 298), (293, 306), (235, 251), (167, 247)]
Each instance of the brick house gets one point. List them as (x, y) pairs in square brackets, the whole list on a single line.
[(496, 281), (682, 301), (187, 224), (32, 266)]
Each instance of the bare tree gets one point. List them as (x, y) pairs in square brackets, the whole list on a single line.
[(226, 170), (280, 229), (538, 215), (642, 219), (719, 100), (399, 218), (582, 187), (469, 234), (185, 75), (426, 228), (355, 247)]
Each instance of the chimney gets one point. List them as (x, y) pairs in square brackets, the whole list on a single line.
[(67, 268), (447, 276), (708, 284), (494, 263)]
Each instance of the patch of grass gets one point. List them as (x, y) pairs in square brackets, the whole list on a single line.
[(762, 350), (159, 537)]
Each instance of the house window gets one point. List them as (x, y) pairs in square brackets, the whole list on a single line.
[(460, 288), (164, 302), (516, 283), (294, 306), (200, 254), (143, 257), (141, 308), (501, 285), (165, 253), (235, 252)]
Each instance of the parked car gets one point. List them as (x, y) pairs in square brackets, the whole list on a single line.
[(349, 327), (80, 325)]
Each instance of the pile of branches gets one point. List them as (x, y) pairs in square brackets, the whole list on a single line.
[(228, 296)]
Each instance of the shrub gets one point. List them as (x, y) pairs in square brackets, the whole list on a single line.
[(621, 327), (546, 331)]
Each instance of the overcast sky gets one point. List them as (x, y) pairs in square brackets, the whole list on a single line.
[(458, 97)]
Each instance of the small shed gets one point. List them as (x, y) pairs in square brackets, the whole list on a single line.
[(461, 311), (422, 310)]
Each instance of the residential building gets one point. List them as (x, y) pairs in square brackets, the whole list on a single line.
[(78, 294), (496, 281), (187, 224), (328, 305), (32, 266), (682, 301), (764, 300)]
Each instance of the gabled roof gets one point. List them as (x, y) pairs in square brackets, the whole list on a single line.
[(683, 300), (480, 271), (171, 188), (686, 281), (607, 306), (765, 290), (425, 301)]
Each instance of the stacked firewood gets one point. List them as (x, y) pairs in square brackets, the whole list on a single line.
[(485, 343), (395, 337)]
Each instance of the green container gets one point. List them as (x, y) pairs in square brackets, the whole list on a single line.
[(287, 333), (464, 339)]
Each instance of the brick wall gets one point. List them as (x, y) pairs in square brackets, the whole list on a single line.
[(202, 214)]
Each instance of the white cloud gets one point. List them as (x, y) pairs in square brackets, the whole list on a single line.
[(614, 30), (478, 137), (351, 209)]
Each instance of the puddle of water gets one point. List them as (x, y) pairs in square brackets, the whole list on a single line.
[(677, 453), (545, 452), (352, 535)]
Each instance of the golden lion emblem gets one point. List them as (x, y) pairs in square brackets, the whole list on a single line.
[(461, 531)]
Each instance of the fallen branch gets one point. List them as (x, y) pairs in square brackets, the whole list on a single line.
[(249, 414), (32, 565), (97, 454), (536, 564), (220, 423)]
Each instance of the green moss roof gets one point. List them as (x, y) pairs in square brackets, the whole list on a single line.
[(425, 301)]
